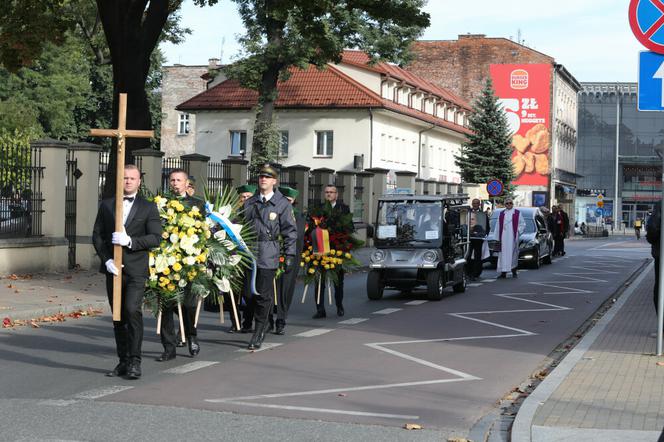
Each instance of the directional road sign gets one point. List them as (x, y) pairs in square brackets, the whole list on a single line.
[(494, 187), (651, 82), (646, 18), (599, 212)]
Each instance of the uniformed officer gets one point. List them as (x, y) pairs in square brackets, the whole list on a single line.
[(286, 284), (272, 217)]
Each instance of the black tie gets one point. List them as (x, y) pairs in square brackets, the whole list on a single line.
[(263, 200), (129, 198)]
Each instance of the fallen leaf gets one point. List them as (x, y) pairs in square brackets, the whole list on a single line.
[(7, 322), (412, 427), (34, 324), (342, 394), (9, 286), (15, 291), (661, 364), (13, 277)]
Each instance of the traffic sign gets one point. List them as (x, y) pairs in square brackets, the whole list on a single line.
[(599, 212), (600, 197), (600, 203), (646, 18), (494, 187), (651, 82)]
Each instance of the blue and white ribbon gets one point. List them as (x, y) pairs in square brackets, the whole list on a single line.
[(236, 237)]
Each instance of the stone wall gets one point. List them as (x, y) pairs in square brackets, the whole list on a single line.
[(462, 65)]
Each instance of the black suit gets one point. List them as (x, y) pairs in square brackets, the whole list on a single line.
[(189, 303), (343, 209), (144, 229)]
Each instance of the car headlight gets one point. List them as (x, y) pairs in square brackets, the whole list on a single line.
[(377, 256), (430, 256)]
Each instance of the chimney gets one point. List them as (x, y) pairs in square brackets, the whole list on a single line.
[(469, 35), (213, 63)]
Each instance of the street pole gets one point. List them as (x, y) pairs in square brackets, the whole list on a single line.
[(617, 208)]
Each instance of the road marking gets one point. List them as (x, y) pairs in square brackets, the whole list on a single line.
[(328, 410), (101, 392), (314, 332), (353, 321), (57, 402), (417, 302), (265, 346), (192, 366), (475, 284), (386, 311), (488, 280)]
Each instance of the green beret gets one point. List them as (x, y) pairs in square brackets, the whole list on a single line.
[(269, 171), (288, 192), (246, 188)]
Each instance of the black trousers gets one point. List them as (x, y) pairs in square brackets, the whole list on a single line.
[(558, 245), (285, 290), (167, 332), (475, 261), (129, 330), (338, 293), (655, 292), (264, 300)]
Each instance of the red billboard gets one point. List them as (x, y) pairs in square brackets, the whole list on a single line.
[(524, 92)]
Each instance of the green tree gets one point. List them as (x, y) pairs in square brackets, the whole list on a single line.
[(283, 34), (487, 153)]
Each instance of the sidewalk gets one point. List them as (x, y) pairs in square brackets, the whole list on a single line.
[(25, 297), (609, 387)]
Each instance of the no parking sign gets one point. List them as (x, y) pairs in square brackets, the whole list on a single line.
[(646, 18)]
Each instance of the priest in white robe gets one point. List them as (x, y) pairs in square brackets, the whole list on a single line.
[(510, 225)]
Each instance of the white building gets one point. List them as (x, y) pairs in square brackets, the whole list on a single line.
[(349, 115)]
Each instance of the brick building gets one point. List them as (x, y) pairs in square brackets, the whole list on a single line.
[(463, 65)]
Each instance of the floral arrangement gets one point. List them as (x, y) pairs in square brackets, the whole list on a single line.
[(194, 252), (323, 263)]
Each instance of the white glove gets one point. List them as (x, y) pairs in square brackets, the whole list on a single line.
[(121, 238), (110, 267)]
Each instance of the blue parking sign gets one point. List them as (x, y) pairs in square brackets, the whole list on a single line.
[(651, 82)]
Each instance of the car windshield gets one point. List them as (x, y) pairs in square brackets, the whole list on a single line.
[(409, 223), (530, 225)]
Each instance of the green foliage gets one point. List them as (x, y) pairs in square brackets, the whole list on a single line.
[(280, 35), (487, 154)]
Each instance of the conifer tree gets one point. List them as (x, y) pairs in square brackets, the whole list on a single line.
[(487, 153)]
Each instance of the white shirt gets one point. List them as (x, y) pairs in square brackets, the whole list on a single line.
[(126, 206), (334, 203), (267, 197)]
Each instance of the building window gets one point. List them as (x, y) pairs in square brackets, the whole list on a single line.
[(238, 142), (283, 145), (183, 124), (324, 143)]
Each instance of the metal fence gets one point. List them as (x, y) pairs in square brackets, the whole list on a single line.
[(21, 201), (358, 195), (315, 189), (72, 175), (103, 171), (168, 165), (219, 177)]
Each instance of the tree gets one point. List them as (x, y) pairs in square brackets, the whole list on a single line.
[(296, 33), (487, 153)]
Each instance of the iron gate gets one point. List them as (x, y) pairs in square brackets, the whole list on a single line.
[(73, 174)]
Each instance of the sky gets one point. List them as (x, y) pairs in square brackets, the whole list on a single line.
[(591, 38)]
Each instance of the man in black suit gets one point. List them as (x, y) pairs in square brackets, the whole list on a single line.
[(179, 182), (142, 232), (331, 195)]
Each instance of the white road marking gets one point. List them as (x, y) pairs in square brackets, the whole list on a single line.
[(475, 284), (353, 321), (488, 280), (328, 410), (192, 366), (314, 332), (101, 392), (386, 311), (265, 346), (417, 302), (57, 402)]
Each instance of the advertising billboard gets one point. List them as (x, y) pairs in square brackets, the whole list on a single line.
[(524, 92)]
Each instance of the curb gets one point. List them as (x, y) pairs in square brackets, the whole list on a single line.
[(25, 315), (522, 427)]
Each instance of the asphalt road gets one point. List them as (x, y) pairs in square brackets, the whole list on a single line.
[(442, 365)]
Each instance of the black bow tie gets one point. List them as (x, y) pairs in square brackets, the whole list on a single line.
[(129, 198)]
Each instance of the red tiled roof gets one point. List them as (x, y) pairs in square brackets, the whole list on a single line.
[(361, 59), (308, 88)]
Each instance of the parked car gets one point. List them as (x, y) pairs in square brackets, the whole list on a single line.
[(535, 242), (420, 241), (15, 218)]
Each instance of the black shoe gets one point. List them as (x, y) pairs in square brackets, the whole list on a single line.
[(134, 370), (340, 311), (271, 324), (319, 314), (503, 275), (194, 346), (119, 370), (514, 274), (165, 356), (178, 339), (256, 341), (280, 328), (246, 329)]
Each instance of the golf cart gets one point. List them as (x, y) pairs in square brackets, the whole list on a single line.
[(420, 240)]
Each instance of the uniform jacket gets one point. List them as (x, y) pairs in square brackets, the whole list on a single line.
[(270, 220), (142, 225)]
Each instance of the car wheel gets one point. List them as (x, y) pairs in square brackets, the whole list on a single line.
[(536, 261), (435, 285), (375, 285), (460, 286)]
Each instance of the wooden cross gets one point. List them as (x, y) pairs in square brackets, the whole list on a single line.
[(120, 133)]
